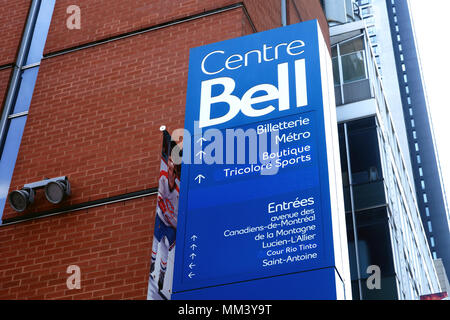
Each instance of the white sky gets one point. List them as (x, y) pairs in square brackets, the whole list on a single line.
[(431, 26)]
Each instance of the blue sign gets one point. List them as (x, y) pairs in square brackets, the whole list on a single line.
[(261, 210)]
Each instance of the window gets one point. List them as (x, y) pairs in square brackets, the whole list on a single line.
[(422, 184), (411, 112), (405, 79), (409, 100), (373, 39), (364, 151), (352, 46), (425, 198), (352, 61), (414, 133), (403, 67), (430, 228), (375, 49), (419, 160), (434, 255), (420, 171), (366, 11), (378, 61), (369, 20), (427, 211), (336, 75), (400, 47), (353, 66), (407, 90), (413, 124), (432, 241)]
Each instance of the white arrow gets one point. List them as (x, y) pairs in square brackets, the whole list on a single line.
[(199, 178), (192, 256), (201, 140), (191, 265), (200, 154), (190, 275), (194, 237), (193, 246)]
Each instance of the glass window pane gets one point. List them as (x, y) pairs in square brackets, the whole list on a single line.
[(353, 67), (336, 76), (364, 151), (352, 46)]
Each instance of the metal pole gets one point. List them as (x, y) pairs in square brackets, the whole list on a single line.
[(16, 77), (283, 13), (355, 230)]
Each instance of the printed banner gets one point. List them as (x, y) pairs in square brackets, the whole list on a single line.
[(163, 248)]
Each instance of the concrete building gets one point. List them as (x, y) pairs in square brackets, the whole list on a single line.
[(384, 216), (391, 29)]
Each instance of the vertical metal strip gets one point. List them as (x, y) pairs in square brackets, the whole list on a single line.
[(16, 77), (283, 13), (355, 230)]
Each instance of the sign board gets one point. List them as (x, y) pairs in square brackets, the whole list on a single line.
[(261, 211)]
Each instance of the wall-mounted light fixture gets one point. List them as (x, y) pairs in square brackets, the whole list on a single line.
[(19, 200), (56, 189)]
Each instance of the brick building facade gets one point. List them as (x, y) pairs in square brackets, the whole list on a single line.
[(101, 95)]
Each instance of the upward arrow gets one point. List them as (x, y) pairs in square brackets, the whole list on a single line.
[(199, 178), (200, 154), (194, 237), (201, 140)]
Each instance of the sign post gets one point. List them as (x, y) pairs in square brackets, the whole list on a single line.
[(261, 212)]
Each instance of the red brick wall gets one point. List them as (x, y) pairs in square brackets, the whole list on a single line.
[(292, 14), (105, 18), (13, 16), (5, 74), (110, 244), (95, 117), (96, 113), (309, 11)]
